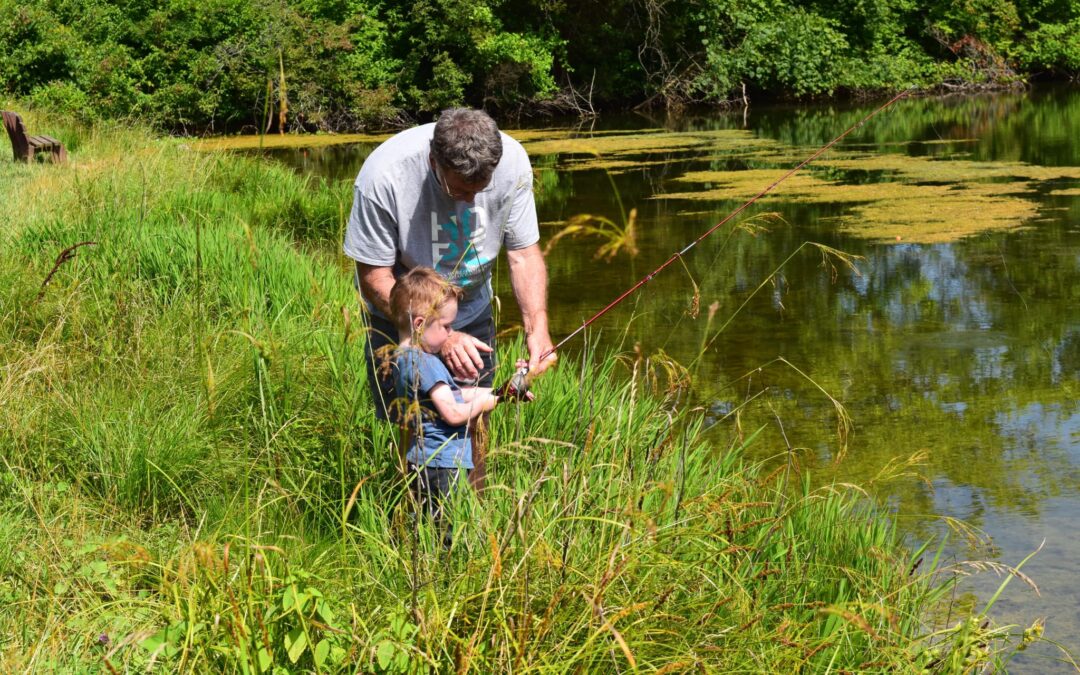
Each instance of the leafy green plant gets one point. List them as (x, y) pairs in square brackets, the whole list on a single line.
[(261, 623), (394, 648)]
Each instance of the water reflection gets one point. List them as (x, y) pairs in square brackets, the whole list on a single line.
[(968, 350)]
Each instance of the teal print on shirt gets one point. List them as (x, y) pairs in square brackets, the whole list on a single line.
[(455, 245)]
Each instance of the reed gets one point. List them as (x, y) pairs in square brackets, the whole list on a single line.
[(193, 479)]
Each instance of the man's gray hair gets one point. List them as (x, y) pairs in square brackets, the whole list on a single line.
[(468, 143)]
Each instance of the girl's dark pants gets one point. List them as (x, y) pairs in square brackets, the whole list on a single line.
[(432, 488)]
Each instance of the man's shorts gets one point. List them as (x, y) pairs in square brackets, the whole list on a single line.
[(379, 352)]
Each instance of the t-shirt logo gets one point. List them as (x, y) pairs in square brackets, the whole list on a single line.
[(456, 245)]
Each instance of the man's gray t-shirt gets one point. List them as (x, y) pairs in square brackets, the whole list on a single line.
[(402, 217)]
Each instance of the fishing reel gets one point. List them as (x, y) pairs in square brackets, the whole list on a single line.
[(517, 387)]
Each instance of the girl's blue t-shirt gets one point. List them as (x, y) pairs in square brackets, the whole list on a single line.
[(435, 442)]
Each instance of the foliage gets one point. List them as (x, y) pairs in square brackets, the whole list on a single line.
[(216, 65), (454, 47), (790, 50), (1054, 47)]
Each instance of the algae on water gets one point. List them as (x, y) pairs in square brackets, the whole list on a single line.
[(276, 141), (621, 151), (914, 199), (889, 196)]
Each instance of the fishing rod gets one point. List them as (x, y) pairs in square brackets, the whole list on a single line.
[(519, 382), (649, 277)]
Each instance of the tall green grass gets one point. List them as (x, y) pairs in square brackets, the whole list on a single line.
[(192, 478)]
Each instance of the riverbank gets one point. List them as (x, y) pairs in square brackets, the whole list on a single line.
[(192, 476)]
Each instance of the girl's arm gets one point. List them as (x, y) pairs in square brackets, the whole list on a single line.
[(473, 393), (459, 413)]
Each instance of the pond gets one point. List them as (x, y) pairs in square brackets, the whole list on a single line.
[(924, 274)]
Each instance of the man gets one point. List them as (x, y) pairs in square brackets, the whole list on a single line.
[(449, 195)]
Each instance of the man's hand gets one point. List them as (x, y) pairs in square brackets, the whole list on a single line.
[(539, 344), (461, 353)]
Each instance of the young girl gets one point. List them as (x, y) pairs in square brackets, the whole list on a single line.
[(435, 410)]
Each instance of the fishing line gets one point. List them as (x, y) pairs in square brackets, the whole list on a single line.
[(675, 256)]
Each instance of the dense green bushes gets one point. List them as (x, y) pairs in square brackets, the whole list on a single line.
[(228, 64)]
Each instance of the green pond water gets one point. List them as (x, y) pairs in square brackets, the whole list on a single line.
[(955, 340)]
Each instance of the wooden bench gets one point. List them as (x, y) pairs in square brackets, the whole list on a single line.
[(24, 146)]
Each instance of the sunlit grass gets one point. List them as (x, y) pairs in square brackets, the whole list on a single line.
[(614, 238)]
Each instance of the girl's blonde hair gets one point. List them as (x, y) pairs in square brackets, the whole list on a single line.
[(421, 292)]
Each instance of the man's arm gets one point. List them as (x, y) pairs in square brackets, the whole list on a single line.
[(528, 278), (375, 285)]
